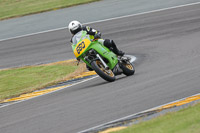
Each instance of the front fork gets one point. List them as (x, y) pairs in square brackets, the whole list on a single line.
[(104, 64), (89, 60)]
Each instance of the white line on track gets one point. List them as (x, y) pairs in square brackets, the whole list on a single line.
[(131, 15), (50, 92), (123, 118)]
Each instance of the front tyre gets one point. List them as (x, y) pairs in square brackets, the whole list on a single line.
[(128, 68), (106, 74)]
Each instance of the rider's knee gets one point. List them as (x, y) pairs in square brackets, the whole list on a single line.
[(108, 43)]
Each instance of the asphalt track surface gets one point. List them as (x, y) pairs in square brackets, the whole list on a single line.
[(101, 10), (166, 45)]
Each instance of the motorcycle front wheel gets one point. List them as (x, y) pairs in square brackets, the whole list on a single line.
[(104, 73)]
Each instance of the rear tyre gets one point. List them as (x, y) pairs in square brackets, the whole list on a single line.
[(106, 74), (128, 68)]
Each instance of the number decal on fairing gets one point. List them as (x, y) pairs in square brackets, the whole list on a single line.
[(80, 47)]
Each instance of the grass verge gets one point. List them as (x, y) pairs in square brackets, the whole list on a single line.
[(16, 81), (184, 121), (16, 8)]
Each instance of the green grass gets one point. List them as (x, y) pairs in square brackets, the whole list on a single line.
[(184, 121), (14, 8), (14, 82)]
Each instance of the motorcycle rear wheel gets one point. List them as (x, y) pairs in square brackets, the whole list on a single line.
[(128, 68), (106, 74)]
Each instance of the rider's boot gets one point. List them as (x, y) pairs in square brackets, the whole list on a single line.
[(119, 52), (116, 50)]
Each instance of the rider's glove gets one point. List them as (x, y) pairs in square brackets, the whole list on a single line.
[(97, 35)]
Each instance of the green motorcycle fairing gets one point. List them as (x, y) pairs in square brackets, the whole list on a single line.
[(84, 45)]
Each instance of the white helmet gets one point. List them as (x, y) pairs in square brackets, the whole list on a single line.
[(75, 27)]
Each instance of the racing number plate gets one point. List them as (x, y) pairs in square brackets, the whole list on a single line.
[(81, 47)]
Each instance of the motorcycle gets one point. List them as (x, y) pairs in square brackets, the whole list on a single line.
[(101, 59)]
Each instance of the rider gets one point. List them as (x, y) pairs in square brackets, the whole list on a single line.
[(75, 27)]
